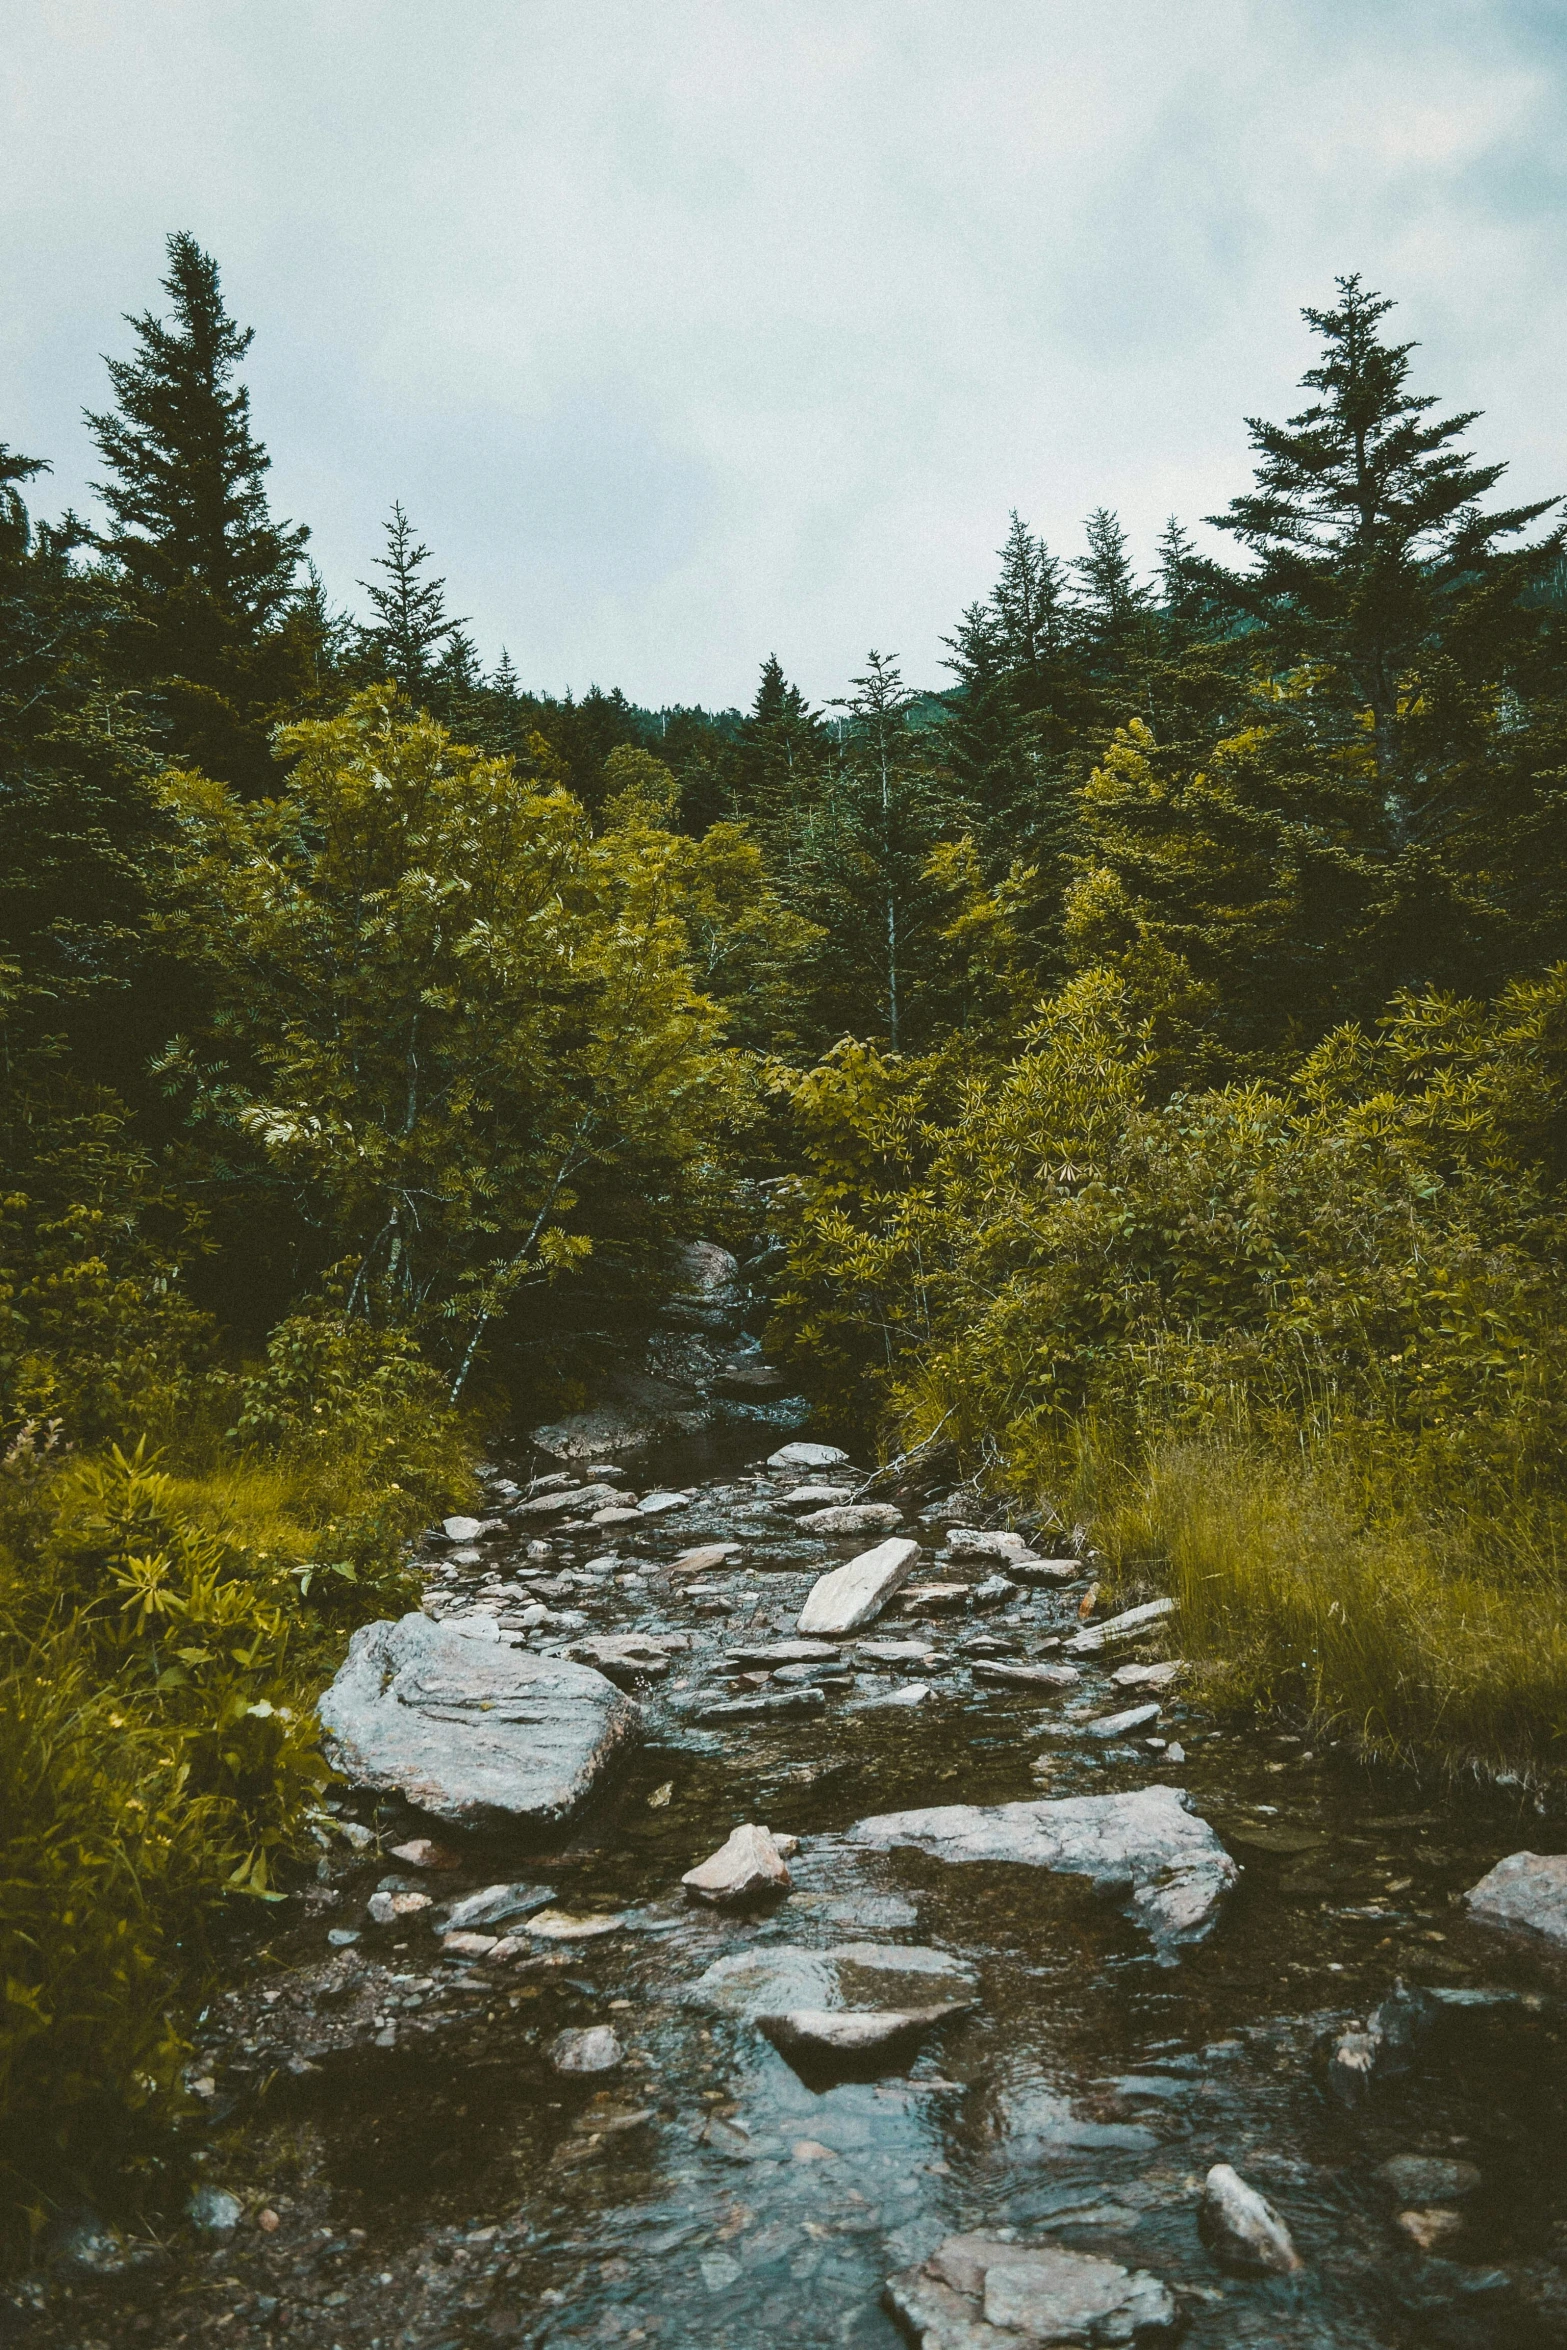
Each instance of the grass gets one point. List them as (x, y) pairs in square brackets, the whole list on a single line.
[(1313, 1585)]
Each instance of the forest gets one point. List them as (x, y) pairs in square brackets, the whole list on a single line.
[(1143, 1050)]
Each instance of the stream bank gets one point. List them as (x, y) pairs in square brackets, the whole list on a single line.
[(393, 2145)]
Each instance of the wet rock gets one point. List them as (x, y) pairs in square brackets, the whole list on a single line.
[(575, 1498), (626, 1658), (855, 1594), (782, 1978), (1429, 2229), (1145, 1842), (393, 1909), (813, 1497), (215, 2213), (782, 1652), (495, 1905), (829, 2038), (618, 1514), (1380, 2049), (747, 1867), (976, 2293), (912, 1693), (898, 1652), (1133, 1624), (749, 1382), (706, 1294), (465, 1945), (422, 1852), (1122, 1725), (1428, 2178), (854, 1517), (656, 1505), (779, 1703), (1046, 1571), (833, 1676), (566, 1925), (936, 1599), (995, 1591), (974, 1542), (635, 1410), (596, 2050), (1525, 1893), (1148, 1676), (705, 1556), (1241, 2228), (465, 1529), (472, 1734), (800, 1455), (1028, 1676)]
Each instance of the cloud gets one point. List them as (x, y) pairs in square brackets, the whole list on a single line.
[(692, 332)]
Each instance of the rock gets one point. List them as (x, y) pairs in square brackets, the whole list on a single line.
[(574, 1499), (622, 1657), (565, 1925), (808, 1456), (1046, 1571), (463, 1529), (494, 1905), (834, 1676), (1382, 2048), (936, 1599), (1028, 1676), (897, 1652), (779, 1703), (1428, 2178), (831, 2037), (655, 1505), (461, 1945), (973, 1542), (813, 1497), (1526, 1893), (1148, 1676), (618, 1514), (854, 1517), (635, 1410), (995, 1591), (745, 1382), (1241, 2228), (854, 1594), (594, 2051), (912, 1693), (706, 1292), (390, 1909), (977, 2293), (1129, 1626), (706, 1555), (475, 1735), (422, 1852), (1122, 1725), (782, 1978), (1145, 1842), (747, 1866), (214, 2212), (782, 1652)]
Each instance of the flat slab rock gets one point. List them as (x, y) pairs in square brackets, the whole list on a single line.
[(975, 2293), (782, 1978), (1526, 1892), (854, 1517), (1146, 1842), (475, 1735), (825, 2036), (801, 1455), (855, 1594)]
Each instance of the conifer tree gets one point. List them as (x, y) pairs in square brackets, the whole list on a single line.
[(206, 569), (1111, 600), (411, 615), (1028, 602)]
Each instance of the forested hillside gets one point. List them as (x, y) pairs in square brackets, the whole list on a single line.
[(1152, 1040)]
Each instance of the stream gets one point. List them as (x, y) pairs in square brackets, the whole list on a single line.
[(387, 2155)]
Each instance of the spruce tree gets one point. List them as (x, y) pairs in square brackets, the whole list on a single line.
[(206, 570), (1370, 549), (411, 616)]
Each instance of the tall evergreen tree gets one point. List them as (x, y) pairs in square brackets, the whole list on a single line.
[(1112, 602), (411, 616), (206, 569), (1370, 549), (1028, 602)]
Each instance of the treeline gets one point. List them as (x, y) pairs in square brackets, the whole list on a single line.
[(1158, 1027)]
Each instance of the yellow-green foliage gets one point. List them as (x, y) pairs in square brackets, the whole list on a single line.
[(1369, 1258)]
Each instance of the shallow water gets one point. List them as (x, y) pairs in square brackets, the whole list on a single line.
[(449, 2190)]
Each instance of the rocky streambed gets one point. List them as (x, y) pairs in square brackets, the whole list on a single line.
[(770, 1910)]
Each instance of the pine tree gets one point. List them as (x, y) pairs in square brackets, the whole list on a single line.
[(1111, 600), (411, 615), (206, 570), (1027, 603), (1370, 550)]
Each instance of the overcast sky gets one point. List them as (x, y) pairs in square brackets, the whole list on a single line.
[(694, 330)]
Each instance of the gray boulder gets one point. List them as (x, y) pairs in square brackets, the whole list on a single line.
[(1146, 1843), (854, 1517), (803, 1455), (706, 1292), (747, 1867), (1027, 1676), (622, 1657), (1241, 2228), (852, 1595), (975, 2293), (1135, 1623), (476, 1735), (1526, 1892), (596, 2050), (829, 2038), (782, 1978)]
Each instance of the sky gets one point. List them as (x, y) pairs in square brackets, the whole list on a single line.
[(692, 332)]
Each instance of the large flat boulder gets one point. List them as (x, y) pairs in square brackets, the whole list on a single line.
[(852, 1595), (1526, 1892), (976, 2293), (1146, 1843), (476, 1735), (783, 1978)]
